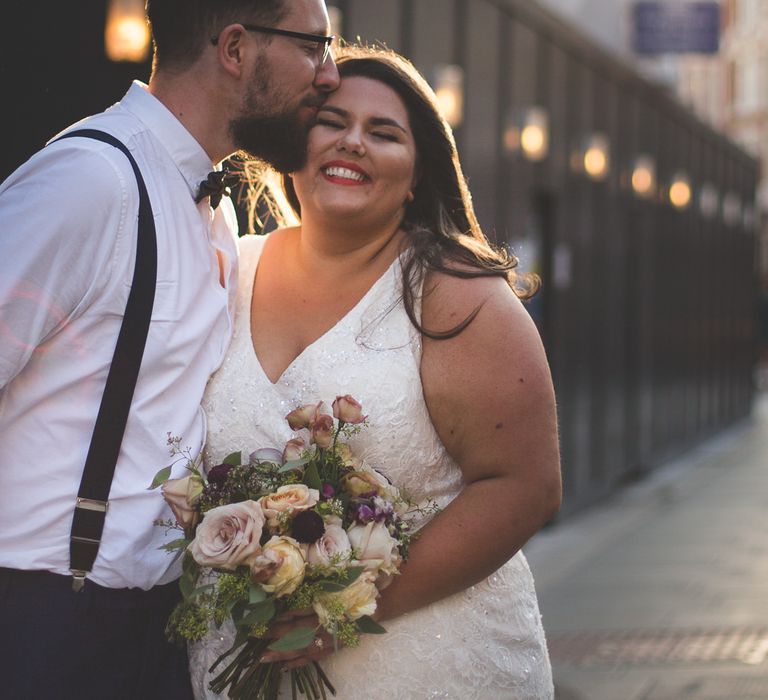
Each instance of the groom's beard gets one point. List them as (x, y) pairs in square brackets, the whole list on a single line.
[(280, 140)]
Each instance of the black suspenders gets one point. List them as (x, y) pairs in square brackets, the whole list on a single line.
[(93, 494)]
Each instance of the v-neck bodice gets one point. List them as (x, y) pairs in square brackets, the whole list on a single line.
[(373, 353)]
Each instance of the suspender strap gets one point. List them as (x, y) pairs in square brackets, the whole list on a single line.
[(99, 470)]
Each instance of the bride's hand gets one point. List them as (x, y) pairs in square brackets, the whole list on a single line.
[(321, 647)]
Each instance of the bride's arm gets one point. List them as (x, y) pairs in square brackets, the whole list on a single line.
[(490, 397)]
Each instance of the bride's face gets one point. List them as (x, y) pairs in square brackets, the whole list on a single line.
[(361, 158)]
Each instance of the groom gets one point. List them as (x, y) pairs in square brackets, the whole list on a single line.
[(228, 75)]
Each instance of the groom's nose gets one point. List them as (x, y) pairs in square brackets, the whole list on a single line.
[(327, 76)]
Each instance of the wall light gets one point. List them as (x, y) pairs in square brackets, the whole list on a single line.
[(680, 191), (126, 35), (528, 132), (449, 89), (709, 200), (594, 158), (644, 176)]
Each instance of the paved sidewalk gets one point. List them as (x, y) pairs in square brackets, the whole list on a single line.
[(661, 593)]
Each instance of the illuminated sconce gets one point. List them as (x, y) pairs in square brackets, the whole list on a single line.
[(680, 191), (709, 200), (126, 36), (594, 158), (449, 89), (731, 209), (644, 176), (529, 132)]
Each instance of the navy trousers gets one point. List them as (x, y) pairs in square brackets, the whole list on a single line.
[(102, 643)]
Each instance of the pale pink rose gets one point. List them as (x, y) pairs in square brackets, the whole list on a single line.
[(280, 568), (357, 599), (322, 431), (348, 410), (229, 536), (293, 449), (374, 547), (303, 416), (289, 498), (182, 495), (334, 544)]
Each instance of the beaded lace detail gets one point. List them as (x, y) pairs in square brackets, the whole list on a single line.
[(484, 643)]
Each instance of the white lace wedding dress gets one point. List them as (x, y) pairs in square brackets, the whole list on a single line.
[(486, 642)]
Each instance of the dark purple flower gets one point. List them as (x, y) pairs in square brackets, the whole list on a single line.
[(307, 527), (364, 514), (327, 492), (218, 474)]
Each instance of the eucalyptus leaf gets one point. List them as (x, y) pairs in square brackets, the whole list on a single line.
[(312, 477), (293, 464), (369, 625), (174, 545), (256, 594), (353, 573), (261, 612), (298, 638), (203, 589), (234, 459), (187, 586), (160, 478), (331, 586)]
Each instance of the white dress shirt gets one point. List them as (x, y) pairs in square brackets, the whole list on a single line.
[(68, 228)]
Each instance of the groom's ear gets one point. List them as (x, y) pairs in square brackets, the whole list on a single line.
[(231, 49)]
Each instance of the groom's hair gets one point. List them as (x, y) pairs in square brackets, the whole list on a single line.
[(181, 29)]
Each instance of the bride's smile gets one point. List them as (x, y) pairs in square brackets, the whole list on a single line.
[(362, 157)]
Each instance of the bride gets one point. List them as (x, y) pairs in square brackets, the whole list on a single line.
[(389, 291)]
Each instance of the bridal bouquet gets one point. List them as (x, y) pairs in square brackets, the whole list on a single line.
[(308, 527)]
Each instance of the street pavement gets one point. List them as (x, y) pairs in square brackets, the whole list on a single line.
[(661, 592)]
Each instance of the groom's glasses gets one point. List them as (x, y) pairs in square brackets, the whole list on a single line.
[(323, 42)]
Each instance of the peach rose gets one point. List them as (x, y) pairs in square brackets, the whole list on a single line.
[(229, 536), (289, 498)]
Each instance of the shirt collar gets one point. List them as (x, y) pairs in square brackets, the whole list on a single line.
[(185, 151)]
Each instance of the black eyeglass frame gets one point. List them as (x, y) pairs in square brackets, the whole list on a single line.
[(317, 38)]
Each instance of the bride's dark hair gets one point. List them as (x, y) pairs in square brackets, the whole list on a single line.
[(443, 234)]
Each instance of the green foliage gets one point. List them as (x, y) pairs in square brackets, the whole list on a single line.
[(161, 477), (298, 638)]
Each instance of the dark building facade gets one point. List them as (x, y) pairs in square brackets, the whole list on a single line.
[(648, 310)]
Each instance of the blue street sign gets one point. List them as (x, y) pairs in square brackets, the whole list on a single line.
[(675, 27)]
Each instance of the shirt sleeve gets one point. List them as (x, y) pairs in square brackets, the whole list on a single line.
[(62, 215)]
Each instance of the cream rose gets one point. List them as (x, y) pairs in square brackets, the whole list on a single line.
[(321, 431), (280, 567), (334, 544), (374, 547), (368, 481), (229, 536), (182, 495), (288, 499), (357, 599)]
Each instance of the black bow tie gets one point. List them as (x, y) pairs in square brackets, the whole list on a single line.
[(215, 186)]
